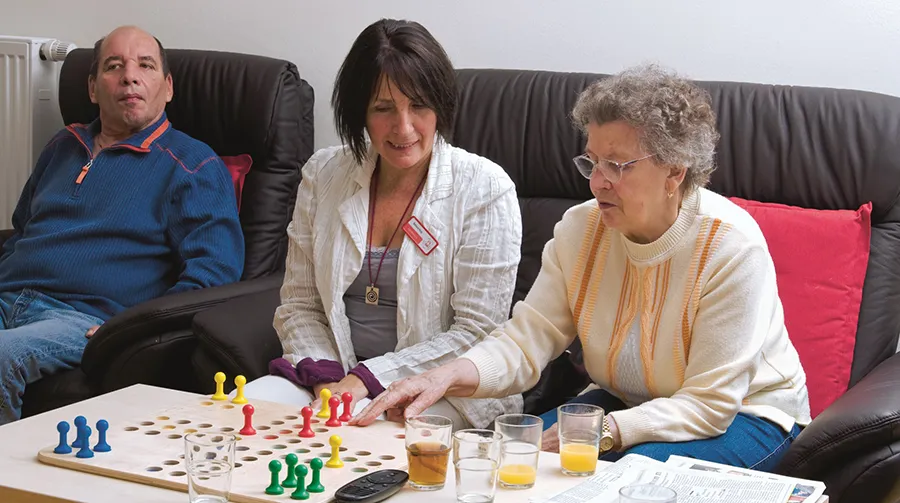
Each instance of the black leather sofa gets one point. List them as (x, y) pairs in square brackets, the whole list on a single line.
[(237, 104), (808, 147)]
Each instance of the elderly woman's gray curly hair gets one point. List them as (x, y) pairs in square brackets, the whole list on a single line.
[(673, 116)]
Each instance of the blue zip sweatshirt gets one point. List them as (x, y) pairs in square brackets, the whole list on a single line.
[(152, 215)]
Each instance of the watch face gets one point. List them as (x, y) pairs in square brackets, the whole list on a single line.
[(606, 443)]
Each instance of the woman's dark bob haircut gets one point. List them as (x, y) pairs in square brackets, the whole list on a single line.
[(406, 53)]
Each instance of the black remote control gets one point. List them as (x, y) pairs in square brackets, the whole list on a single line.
[(372, 488)]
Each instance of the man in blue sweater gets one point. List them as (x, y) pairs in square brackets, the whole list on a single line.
[(115, 213)]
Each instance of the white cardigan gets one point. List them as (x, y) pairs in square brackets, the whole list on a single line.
[(446, 301)]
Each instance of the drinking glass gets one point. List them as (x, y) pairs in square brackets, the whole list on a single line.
[(579, 438), (476, 458), (209, 463), (428, 451), (646, 493), (519, 449)]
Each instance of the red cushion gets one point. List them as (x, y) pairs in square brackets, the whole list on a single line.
[(238, 166), (820, 262)]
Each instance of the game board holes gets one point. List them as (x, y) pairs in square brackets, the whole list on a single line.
[(320, 430), (351, 459), (181, 456), (190, 430), (238, 465), (317, 445), (373, 463), (264, 428), (206, 404), (182, 421), (277, 423), (147, 423), (248, 458), (264, 453), (204, 425), (360, 470), (315, 421), (162, 418), (151, 432), (202, 478), (363, 453), (177, 474), (298, 426), (290, 418), (218, 439), (386, 458), (271, 437), (171, 462), (325, 455), (174, 436), (226, 429), (242, 448), (279, 447), (210, 455), (294, 441), (228, 406), (343, 449), (154, 469), (308, 460), (302, 451), (215, 468), (401, 436), (169, 427), (285, 432), (131, 428)]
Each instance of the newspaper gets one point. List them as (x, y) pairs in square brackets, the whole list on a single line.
[(802, 491), (706, 483)]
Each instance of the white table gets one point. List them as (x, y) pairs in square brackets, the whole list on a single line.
[(24, 479)]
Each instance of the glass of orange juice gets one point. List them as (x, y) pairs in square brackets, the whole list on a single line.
[(428, 451), (519, 449), (579, 438)]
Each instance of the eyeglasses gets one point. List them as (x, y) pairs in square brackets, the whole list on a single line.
[(611, 170)]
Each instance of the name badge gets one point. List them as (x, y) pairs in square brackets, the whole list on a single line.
[(420, 235)]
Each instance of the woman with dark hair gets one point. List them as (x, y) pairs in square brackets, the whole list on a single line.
[(403, 249)]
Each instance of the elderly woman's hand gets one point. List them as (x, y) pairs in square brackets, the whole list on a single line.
[(411, 396)]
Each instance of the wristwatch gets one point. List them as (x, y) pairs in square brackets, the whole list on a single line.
[(606, 439)]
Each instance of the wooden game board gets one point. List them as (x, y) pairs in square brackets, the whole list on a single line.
[(150, 450)]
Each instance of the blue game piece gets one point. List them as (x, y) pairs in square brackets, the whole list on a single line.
[(80, 423), (85, 451), (102, 446), (63, 448)]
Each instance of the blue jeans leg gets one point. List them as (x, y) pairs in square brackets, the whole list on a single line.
[(39, 336)]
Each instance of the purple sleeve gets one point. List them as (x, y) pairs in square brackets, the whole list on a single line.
[(368, 378), (308, 372)]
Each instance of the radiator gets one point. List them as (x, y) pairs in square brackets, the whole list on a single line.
[(29, 110)]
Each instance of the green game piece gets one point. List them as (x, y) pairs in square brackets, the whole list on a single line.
[(315, 486), (274, 488), (291, 480), (300, 493)]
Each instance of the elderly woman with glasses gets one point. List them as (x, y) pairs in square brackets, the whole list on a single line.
[(669, 286)]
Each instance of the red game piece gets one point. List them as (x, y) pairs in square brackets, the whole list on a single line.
[(248, 421), (307, 431), (347, 398), (334, 403)]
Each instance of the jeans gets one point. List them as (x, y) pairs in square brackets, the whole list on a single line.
[(39, 336), (750, 442)]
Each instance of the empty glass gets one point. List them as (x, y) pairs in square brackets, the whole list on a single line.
[(519, 449), (476, 457), (428, 451), (209, 463), (579, 438), (646, 493)]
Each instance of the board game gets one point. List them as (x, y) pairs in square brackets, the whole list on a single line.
[(150, 450)]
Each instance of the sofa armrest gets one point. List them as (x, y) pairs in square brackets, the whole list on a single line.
[(239, 335), (865, 418), (164, 314)]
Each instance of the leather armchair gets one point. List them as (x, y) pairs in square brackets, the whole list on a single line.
[(808, 147), (237, 104)]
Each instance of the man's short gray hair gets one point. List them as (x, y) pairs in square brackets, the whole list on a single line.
[(673, 116)]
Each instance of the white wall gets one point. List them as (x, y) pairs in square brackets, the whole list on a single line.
[(835, 43)]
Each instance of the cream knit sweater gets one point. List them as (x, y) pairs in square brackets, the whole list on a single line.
[(687, 330)]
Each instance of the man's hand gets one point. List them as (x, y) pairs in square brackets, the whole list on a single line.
[(411, 396), (550, 439), (350, 383), (91, 331)]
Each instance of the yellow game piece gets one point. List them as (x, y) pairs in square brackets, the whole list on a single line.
[(220, 387), (324, 395), (239, 398), (335, 460)]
